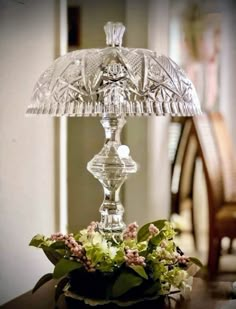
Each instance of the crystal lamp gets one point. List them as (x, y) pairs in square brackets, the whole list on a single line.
[(113, 83)]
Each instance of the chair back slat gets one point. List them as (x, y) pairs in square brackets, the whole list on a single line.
[(227, 155), (179, 158), (211, 162)]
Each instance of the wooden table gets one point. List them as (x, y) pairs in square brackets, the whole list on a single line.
[(205, 295)]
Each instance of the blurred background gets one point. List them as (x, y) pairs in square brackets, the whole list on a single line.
[(44, 184)]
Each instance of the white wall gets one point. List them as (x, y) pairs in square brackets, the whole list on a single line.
[(27, 44), (135, 130), (228, 65), (158, 139)]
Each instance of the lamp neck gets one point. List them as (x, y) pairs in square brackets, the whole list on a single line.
[(112, 128)]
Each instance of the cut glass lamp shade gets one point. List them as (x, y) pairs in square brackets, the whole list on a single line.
[(113, 82)]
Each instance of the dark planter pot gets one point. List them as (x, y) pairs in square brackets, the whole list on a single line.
[(160, 303), (98, 286)]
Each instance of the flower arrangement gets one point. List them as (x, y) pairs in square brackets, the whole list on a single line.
[(139, 263)]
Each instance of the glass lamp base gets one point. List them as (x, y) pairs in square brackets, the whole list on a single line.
[(111, 166)]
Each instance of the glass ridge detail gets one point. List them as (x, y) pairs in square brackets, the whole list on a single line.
[(114, 81)]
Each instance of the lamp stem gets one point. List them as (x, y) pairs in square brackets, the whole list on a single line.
[(111, 167)]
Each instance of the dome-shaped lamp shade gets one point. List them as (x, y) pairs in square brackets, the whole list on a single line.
[(114, 81)]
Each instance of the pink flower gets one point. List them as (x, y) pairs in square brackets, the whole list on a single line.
[(182, 259), (57, 236), (131, 231), (163, 243), (153, 230), (132, 258), (92, 227), (76, 249)]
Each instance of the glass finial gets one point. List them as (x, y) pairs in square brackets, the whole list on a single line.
[(114, 33)]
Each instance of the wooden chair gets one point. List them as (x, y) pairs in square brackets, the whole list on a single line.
[(222, 213), (182, 176), (226, 153), (227, 157)]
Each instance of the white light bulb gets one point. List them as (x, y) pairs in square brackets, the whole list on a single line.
[(123, 151)]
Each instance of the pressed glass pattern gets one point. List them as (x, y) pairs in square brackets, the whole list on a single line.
[(114, 80)]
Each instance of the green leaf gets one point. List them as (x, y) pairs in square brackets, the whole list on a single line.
[(140, 271), (42, 281), (53, 256), (157, 239), (143, 233), (58, 245), (196, 261), (77, 236), (153, 289), (125, 282), (37, 240), (59, 287), (63, 267)]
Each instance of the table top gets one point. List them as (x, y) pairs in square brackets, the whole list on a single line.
[(205, 295)]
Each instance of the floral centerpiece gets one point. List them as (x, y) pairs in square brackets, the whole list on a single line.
[(100, 268)]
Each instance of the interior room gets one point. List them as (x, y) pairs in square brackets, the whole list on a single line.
[(186, 168)]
